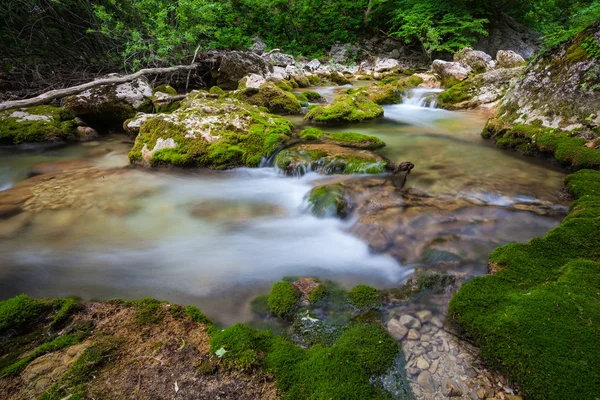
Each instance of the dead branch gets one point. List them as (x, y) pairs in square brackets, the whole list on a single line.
[(56, 94)]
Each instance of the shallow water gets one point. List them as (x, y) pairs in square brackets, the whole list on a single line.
[(216, 239)]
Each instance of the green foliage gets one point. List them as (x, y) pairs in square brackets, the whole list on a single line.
[(437, 25), (282, 299), (197, 316), (73, 382), (365, 297), (538, 319), (19, 312)]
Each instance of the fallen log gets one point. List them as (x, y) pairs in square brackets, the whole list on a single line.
[(56, 94)]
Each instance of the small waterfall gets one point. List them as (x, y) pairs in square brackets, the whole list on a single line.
[(421, 98)]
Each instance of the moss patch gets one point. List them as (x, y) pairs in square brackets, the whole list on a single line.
[(356, 140), (19, 312), (346, 108), (311, 134), (365, 297), (328, 201), (538, 319), (458, 93), (282, 299), (36, 124), (272, 97)]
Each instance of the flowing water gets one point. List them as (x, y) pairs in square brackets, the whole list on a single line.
[(216, 239)]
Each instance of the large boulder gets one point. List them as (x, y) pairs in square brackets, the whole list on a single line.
[(237, 64), (111, 104), (386, 65), (476, 59), (312, 65), (210, 132), (450, 72), (36, 124), (272, 97), (346, 108), (509, 59), (258, 45)]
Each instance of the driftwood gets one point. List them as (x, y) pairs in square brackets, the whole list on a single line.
[(56, 94)]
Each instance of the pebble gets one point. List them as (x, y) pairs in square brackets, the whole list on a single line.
[(451, 389), (410, 321), (435, 321), (413, 335), (434, 366), (433, 355), (396, 329)]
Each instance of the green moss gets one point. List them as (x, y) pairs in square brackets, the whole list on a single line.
[(352, 139), (148, 310), (317, 294), (73, 382), (365, 297), (313, 96), (66, 308), (457, 93), (285, 85), (328, 201), (272, 97), (55, 344), (384, 94), (302, 99), (434, 256), (197, 316), (243, 346), (19, 312), (216, 90), (339, 79), (167, 89), (529, 139), (414, 80), (282, 299), (235, 147), (346, 108), (537, 319), (311, 134), (56, 125)]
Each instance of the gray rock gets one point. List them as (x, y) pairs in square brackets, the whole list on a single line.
[(454, 70), (422, 363), (424, 316), (413, 335), (434, 366), (386, 65), (410, 321), (433, 355), (451, 389), (506, 33), (396, 329), (343, 52), (435, 321), (313, 65), (258, 45), (237, 64), (279, 59), (476, 59), (509, 59)]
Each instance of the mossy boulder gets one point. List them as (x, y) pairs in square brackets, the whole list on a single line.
[(384, 94), (268, 95), (560, 87), (282, 299), (111, 104), (209, 132), (328, 201), (346, 108), (328, 158), (537, 318), (314, 97), (344, 139), (36, 124), (339, 79)]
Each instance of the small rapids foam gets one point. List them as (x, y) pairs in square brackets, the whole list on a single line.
[(418, 107)]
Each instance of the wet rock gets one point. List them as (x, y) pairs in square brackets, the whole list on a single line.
[(396, 329), (279, 59), (434, 366), (425, 381), (386, 65), (450, 71), (13, 225), (36, 124), (85, 133), (436, 322), (433, 355), (509, 59), (328, 201), (451, 389), (410, 321), (422, 363), (111, 104)]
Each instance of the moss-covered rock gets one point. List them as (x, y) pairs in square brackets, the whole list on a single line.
[(36, 124), (214, 133), (272, 97), (339, 79), (365, 297), (329, 159), (537, 318), (566, 146), (384, 94), (314, 97), (311, 134), (282, 299), (111, 104), (344, 139), (328, 201), (346, 108)]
